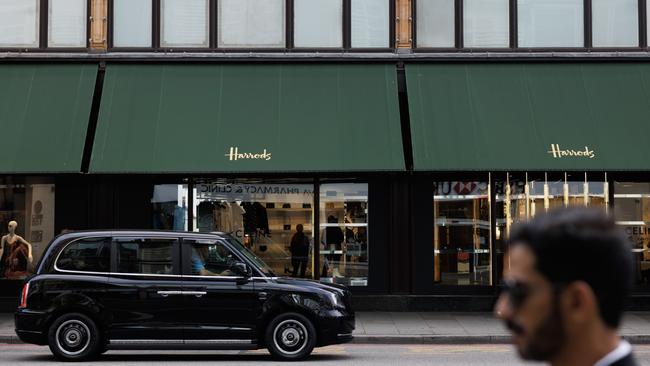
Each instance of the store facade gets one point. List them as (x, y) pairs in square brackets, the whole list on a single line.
[(406, 179)]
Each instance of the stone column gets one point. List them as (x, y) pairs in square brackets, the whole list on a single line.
[(403, 24), (98, 25)]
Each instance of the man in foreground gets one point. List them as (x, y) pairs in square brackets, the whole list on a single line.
[(565, 288)]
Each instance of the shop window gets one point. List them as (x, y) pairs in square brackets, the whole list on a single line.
[(435, 23), (486, 23), (19, 23), (251, 23), (632, 213), (88, 255), (144, 256), (370, 23), (462, 243), (273, 221), (615, 23), (67, 23), (550, 23), (184, 23), (132, 23), (343, 216), (318, 23), (169, 203), (522, 197), (27, 219)]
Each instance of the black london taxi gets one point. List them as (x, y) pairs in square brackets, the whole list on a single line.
[(102, 290)]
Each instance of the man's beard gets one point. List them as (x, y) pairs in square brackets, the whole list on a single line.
[(545, 341)]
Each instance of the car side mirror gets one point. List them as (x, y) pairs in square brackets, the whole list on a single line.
[(241, 269)]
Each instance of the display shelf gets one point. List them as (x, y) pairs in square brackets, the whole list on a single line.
[(292, 209), (356, 224)]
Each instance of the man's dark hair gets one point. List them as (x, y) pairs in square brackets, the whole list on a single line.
[(581, 244)]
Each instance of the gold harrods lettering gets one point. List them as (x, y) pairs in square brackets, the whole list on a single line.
[(234, 155), (559, 153)]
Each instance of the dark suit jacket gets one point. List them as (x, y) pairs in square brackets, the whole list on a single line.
[(626, 361)]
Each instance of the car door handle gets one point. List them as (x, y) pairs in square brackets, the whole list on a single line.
[(194, 293), (168, 293)]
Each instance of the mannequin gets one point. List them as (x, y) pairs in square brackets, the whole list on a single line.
[(14, 243)]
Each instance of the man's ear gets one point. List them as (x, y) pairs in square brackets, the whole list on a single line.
[(578, 302)]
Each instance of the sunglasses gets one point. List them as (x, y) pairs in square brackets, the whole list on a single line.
[(518, 292)]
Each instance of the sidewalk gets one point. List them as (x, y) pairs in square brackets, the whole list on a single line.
[(426, 328)]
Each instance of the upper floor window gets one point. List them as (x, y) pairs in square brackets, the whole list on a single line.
[(67, 23), (550, 23), (527, 24), (370, 23), (486, 23), (615, 23), (132, 23), (66, 26), (318, 23), (184, 23), (251, 23), (435, 25), (19, 23)]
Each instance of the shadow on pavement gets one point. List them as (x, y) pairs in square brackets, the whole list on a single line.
[(122, 358)]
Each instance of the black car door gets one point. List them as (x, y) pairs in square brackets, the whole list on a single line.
[(219, 303), (146, 289)]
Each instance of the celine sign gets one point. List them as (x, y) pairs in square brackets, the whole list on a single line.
[(559, 153), (234, 154)]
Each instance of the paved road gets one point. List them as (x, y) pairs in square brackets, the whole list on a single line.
[(353, 354)]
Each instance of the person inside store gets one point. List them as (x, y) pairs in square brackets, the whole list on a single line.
[(333, 239), (565, 288), (299, 251), (15, 253), (218, 261)]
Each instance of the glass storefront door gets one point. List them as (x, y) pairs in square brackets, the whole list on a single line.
[(462, 242), (343, 216)]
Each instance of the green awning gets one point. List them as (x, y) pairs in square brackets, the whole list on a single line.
[(533, 116), (44, 112), (248, 118)]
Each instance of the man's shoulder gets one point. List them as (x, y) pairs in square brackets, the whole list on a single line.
[(626, 361)]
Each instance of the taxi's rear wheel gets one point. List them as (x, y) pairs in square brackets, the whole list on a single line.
[(290, 337), (74, 337)]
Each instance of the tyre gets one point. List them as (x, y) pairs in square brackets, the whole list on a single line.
[(290, 337), (74, 337)]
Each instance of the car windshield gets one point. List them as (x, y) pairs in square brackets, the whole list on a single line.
[(252, 257)]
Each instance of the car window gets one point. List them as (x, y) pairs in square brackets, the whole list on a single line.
[(86, 255), (145, 256), (211, 258), (261, 265)]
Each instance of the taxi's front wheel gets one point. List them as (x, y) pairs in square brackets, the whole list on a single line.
[(290, 337)]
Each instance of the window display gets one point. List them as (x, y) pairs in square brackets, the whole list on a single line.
[(343, 215), (521, 197), (462, 242), (27, 222), (169, 204), (632, 213), (275, 221)]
